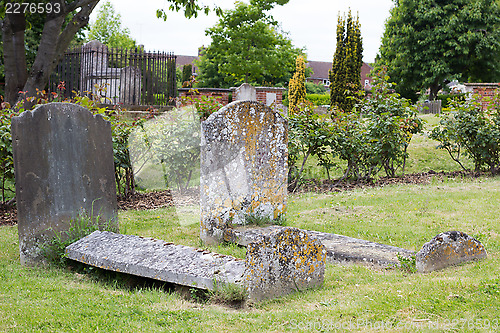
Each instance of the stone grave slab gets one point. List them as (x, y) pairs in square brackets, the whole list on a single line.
[(157, 260), (339, 248), (243, 167), (64, 167), (284, 261)]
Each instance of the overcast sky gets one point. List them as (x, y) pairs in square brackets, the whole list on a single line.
[(310, 24)]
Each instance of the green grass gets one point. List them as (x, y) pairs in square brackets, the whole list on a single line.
[(359, 298)]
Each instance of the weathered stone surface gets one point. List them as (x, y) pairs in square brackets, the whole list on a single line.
[(283, 261), (340, 249), (243, 167), (245, 92), (63, 160), (447, 249), (157, 259)]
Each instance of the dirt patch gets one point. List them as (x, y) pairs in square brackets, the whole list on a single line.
[(324, 186)]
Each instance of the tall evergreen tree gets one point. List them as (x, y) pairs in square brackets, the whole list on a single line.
[(345, 75), (297, 85)]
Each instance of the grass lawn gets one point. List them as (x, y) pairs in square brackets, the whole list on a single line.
[(353, 297)]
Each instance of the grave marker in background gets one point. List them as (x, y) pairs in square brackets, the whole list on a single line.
[(63, 160)]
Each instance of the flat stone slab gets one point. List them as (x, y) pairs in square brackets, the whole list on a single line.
[(157, 259), (339, 249)]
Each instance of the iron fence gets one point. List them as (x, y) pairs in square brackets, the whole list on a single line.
[(117, 76)]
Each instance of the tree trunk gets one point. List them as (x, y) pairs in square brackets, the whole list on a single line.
[(14, 56), (56, 37), (434, 89)]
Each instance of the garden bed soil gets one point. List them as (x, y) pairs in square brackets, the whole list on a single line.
[(160, 199)]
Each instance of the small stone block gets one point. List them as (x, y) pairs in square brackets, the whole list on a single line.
[(447, 249), (283, 261)]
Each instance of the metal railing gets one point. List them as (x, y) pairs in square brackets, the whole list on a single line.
[(117, 76)]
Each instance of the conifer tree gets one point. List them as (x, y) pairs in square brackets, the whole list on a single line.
[(297, 85), (345, 75)]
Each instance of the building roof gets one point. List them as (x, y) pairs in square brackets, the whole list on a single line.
[(321, 69)]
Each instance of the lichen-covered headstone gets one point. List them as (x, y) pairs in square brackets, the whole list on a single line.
[(447, 249), (63, 161), (243, 168), (284, 261)]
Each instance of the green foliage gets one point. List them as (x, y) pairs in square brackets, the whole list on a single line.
[(472, 129), (247, 46), (108, 29), (345, 75), (377, 141), (313, 88), (120, 132), (426, 43), (318, 99), (296, 87), (83, 225), (228, 293), (187, 74), (308, 135), (6, 159), (446, 98), (204, 105), (173, 141), (407, 264), (391, 123)]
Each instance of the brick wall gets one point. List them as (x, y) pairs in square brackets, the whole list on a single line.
[(221, 95), (483, 89), (263, 93)]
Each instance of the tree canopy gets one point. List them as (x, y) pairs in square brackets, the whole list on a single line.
[(247, 46), (108, 28), (427, 43)]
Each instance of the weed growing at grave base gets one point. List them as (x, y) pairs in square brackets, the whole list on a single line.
[(83, 225), (408, 265)]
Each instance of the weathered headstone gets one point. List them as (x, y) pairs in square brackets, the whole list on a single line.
[(63, 161), (245, 92), (284, 261), (447, 249), (243, 168)]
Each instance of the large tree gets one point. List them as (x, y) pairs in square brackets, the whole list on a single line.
[(62, 20), (247, 46), (427, 43), (345, 75), (108, 29)]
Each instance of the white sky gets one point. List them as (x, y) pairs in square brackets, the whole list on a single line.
[(310, 24)]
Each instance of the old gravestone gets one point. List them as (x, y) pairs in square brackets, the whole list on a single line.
[(448, 249), (63, 161), (243, 168)]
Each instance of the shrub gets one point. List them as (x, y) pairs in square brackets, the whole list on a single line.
[(313, 88), (308, 135), (472, 129), (318, 99)]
